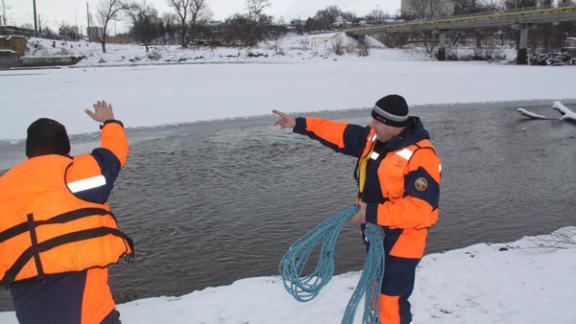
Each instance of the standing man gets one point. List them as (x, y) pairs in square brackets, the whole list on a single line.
[(398, 176), (57, 234)]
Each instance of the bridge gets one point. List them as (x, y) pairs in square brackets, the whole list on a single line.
[(520, 18)]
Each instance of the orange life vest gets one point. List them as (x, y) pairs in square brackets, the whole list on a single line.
[(45, 229)]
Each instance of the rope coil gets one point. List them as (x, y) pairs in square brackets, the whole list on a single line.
[(306, 287)]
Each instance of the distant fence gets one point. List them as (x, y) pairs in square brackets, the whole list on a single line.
[(12, 30)]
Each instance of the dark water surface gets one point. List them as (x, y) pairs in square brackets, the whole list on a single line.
[(209, 203)]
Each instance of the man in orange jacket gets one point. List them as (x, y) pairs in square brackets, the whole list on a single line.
[(57, 234), (398, 177)]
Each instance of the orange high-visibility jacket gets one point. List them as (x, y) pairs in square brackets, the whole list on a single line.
[(409, 180), (401, 185), (45, 228)]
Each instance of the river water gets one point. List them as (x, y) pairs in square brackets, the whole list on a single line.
[(209, 203)]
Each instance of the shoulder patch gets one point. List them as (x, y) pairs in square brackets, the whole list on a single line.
[(421, 184)]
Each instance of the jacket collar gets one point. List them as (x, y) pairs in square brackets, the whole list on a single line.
[(413, 134)]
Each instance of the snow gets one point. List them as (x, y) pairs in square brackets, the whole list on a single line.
[(286, 49), (567, 114), (220, 87), (531, 114), (527, 281)]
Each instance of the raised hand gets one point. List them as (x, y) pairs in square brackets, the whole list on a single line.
[(102, 111), (284, 121)]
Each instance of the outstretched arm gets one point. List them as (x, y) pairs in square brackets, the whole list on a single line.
[(342, 137), (113, 137), (91, 176)]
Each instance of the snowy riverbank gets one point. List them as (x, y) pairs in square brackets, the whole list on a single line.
[(528, 281), (158, 95)]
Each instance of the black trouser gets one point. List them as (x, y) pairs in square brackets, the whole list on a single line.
[(397, 282), (56, 299)]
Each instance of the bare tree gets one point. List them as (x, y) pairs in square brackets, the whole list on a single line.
[(182, 9), (200, 14), (199, 11), (256, 8), (326, 17), (108, 10), (69, 32), (169, 28), (256, 21), (146, 25), (377, 16)]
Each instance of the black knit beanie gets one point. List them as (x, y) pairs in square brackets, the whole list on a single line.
[(47, 136), (391, 110)]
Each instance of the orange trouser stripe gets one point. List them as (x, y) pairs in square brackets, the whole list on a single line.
[(97, 301), (389, 309)]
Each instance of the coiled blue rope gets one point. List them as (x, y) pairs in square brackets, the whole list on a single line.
[(306, 287)]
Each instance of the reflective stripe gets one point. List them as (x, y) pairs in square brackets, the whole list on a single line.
[(405, 153), (440, 168), (87, 184), (374, 156), (388, 115), (373, 137)]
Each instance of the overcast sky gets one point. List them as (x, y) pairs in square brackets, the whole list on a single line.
[(54, 12)]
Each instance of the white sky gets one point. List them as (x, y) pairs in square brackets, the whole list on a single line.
[(53, 12)]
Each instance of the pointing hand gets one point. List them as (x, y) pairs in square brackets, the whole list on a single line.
[(284, 121)]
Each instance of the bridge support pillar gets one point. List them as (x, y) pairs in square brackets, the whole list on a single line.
[(522, 49), (441, 54)]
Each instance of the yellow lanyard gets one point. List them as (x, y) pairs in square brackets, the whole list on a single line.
[(362, 168)]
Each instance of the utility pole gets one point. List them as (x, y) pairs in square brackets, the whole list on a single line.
[(4, 20), (88, 18), (76, 21), (35, 19)]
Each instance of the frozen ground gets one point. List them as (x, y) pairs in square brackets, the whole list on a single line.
[(528, 281), (164, 94)]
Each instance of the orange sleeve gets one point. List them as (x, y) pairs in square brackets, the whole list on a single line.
[(342, 137), (114, 138), (328, 130)]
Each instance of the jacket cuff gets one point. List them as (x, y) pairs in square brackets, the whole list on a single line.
[(300, 127), (111, 121), (372, 213)]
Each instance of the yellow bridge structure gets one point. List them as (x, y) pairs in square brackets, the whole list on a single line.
[(521, 19)]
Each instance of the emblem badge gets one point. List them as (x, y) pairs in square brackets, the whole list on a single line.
[(421, 184)]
